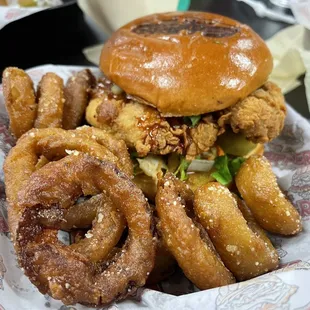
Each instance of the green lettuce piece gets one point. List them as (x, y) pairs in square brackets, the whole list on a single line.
[(222, 173), (226, 168), (193, 120), (182, 169), (134, 155), (235, 164)]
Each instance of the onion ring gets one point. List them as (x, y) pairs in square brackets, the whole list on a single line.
[(55, 268), (243, 252), (196, 257), (248, 216), (50, 101), (258, 187), (20, 100), (76, 98), (23, 157), (108, 225)]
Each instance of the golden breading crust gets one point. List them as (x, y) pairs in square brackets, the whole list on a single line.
[(144, 129), (55, 143), (20, 100), (194, 254), (260, 116), (258, 187), (50, 101), (76, 98), (66, 272), (243, 252)]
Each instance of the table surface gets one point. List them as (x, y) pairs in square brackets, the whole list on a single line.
[(64, 33)]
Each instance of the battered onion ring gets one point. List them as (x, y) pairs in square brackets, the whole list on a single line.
[(258, 187), (116, 146), (22, 159), (76, 98), (58, 270), (80, 215), (248, 216), (20, 101), (196, 257), (114, 150), (50, 101), (243, 252), (107, 225)]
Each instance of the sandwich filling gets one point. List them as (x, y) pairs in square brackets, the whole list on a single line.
[(259, 118)]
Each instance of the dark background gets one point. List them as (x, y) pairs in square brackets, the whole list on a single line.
[(58, 35)]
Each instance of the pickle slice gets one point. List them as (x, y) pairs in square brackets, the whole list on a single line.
[(235, 144)]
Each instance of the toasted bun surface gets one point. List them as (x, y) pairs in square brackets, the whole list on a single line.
[(186, 63)]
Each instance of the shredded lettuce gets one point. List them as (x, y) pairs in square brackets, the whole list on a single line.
[(181, 171), (202, 165), (192, 120), (226, 168), (151, 165)]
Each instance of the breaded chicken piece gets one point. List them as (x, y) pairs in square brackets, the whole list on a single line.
[(260, 116), (140, 126), (201, 137), (145, 130)]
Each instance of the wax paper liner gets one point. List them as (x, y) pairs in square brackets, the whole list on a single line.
[(11, 13), (285, 288)]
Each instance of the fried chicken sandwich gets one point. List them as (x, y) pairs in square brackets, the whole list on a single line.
[(185, 88)]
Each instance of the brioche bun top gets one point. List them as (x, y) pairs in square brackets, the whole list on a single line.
[(186, 63)]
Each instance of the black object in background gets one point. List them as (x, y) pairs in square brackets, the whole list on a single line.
[(55, 36)]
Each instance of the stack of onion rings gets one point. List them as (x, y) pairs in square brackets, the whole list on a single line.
[(58, 269), (52, 106), (45, 195), (242, 250), (23, 158), (238, 243), (193, 253)]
